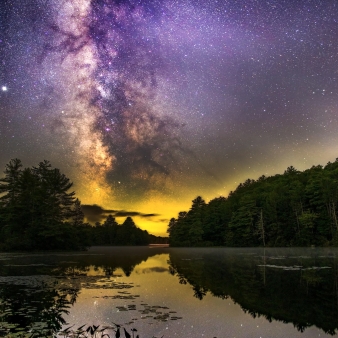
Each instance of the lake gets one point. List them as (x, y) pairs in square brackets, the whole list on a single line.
[(173, 292)]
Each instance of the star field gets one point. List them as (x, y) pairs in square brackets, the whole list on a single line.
[(147, 104)]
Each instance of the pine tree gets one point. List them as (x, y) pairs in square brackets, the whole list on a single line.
[(36, 207)]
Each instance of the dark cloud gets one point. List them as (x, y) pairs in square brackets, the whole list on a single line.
[(185, 96), (95, 213), (131, 60), (123, 213), (154, 269)]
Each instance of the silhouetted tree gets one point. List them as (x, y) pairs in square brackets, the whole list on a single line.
[(35, 208), (296, 208)]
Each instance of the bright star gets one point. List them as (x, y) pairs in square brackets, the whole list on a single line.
[(4, 88)]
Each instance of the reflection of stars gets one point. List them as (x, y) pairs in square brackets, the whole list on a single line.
[(4, 88)]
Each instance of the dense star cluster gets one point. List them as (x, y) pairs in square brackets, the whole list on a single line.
[(147, 104)]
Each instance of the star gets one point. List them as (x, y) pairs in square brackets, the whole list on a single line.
[(159, 101)]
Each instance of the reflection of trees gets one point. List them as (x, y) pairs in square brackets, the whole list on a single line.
[(199, 291), (23, 307), (26, 302), (304, 297), (108, 259)]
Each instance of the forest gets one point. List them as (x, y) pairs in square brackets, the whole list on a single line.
[(38, 211), (293, 209)]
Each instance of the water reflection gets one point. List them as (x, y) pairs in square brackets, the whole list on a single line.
[(38, 309), (37, 291), (292, 286)]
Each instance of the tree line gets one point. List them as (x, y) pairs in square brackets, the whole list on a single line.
[(293, 209), (38, 211), (112, 233)]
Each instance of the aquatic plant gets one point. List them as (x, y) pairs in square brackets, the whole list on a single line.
[(86, 331)]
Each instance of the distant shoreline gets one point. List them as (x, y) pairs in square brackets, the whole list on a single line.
[(158, 245)]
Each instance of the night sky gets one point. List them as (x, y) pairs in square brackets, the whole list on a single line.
[(145, 105)]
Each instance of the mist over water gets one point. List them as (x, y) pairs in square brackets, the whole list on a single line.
[(174, 292)]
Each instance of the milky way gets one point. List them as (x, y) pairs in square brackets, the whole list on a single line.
[(147, 104)]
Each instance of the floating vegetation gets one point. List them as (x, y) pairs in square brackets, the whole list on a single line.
[(20, 265), (130, 297), (318, 268), (110, 285), (155, 313), (34, 306), (192, 259), (65, 281), (29, 281), (86, 331), (294, 267)]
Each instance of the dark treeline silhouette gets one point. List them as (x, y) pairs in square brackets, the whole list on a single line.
[(293, 209), (111, 233), (39, 212)]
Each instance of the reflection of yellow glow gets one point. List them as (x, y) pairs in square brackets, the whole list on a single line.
[(158, 261), (95, 271)]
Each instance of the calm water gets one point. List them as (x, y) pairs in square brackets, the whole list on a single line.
[(174, 292)]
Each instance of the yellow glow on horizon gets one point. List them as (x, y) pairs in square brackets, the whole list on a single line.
[(95, 189)]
